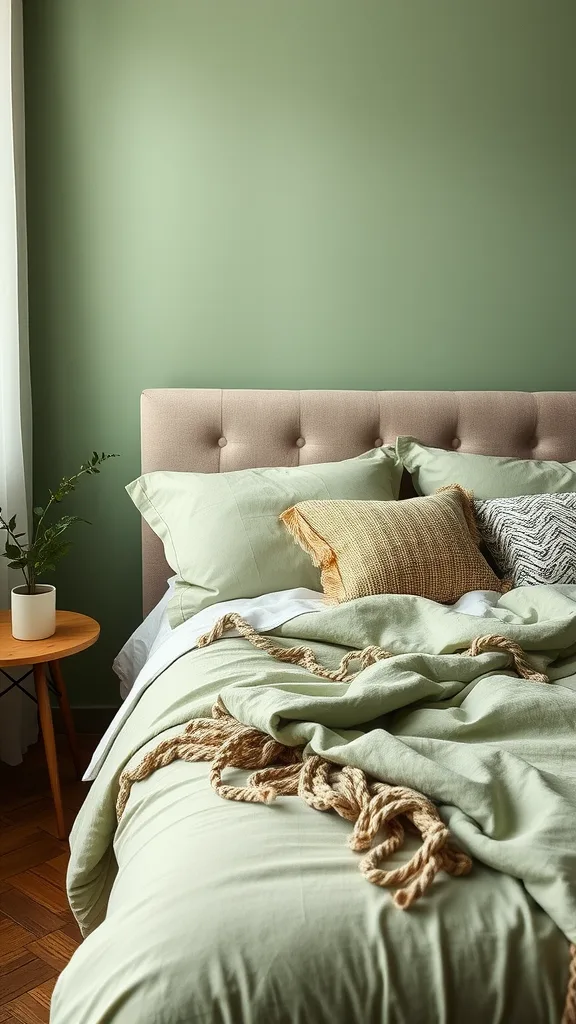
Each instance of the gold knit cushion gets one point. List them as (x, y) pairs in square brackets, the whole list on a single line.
[(423, 546)]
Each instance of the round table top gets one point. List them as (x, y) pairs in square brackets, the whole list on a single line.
[(74, 632)]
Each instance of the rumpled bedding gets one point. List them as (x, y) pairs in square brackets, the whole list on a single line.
[(197, 909)]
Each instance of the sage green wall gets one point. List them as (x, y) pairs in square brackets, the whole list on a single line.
[(284, 193)]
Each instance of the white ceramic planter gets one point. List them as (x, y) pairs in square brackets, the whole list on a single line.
[(33, 615)]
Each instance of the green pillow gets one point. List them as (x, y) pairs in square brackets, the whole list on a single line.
[(221, 531), (487, 476)]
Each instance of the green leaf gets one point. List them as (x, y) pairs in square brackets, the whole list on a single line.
[(12, 551), (17, 565), (58, 550), (12, 524), (38, 511)]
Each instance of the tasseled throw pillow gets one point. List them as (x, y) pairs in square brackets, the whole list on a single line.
[(423, 546)]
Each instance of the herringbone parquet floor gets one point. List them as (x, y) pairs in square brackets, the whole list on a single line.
[(37, 931)]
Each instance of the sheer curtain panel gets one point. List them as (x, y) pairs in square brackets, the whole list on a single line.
[(18, 723)]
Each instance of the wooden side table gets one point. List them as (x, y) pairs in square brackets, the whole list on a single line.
[(74, 632)]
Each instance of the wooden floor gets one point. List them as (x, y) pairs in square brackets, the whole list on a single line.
[(37, 931)]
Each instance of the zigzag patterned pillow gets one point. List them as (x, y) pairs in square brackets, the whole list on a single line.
[(531, 538)]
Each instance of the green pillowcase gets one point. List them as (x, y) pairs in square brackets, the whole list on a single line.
[(221, 531), (486, 476)]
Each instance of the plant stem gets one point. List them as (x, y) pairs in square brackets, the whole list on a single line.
[(51, 502), (36, 529)]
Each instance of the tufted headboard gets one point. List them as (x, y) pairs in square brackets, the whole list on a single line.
[(213, 430)]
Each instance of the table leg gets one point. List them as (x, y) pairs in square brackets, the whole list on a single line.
[(60, 685), (47, 726)]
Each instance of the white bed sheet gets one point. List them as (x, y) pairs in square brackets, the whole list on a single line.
[(146, 639)]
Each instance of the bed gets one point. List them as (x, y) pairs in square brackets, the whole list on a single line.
[(197, 908)]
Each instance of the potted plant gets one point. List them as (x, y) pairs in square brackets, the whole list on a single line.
[(33, 605)]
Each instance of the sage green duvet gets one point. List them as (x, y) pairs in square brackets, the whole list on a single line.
[(201, 910)]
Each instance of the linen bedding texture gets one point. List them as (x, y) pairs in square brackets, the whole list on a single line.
[(201, 909), (422, 546), (221, 531)]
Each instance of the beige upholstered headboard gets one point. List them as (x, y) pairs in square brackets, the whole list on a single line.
[(211, 431)]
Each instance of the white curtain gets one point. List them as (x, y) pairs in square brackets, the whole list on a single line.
[(18, 722)]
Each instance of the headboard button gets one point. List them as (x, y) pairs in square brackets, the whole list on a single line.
[(456, 443), (300, 442), (378, 442), (222, 442)]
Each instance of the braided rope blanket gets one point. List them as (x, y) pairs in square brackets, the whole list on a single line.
[(381, 814)]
